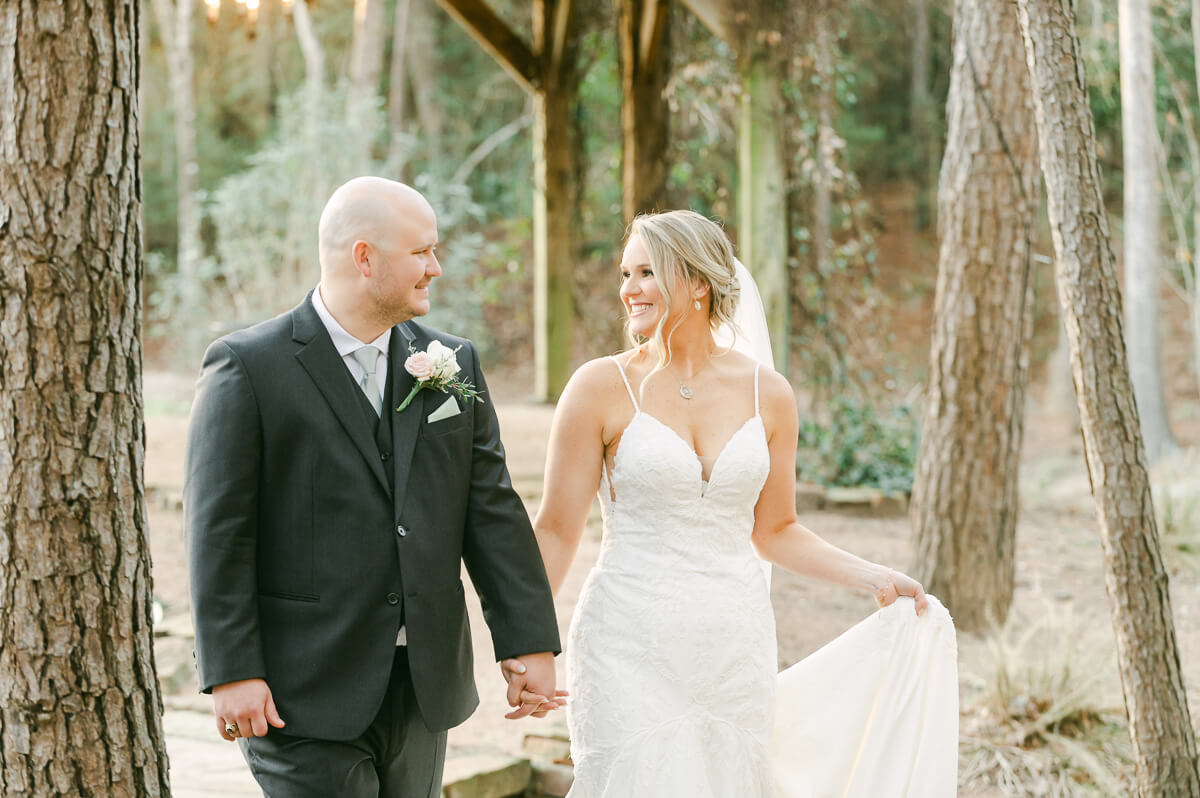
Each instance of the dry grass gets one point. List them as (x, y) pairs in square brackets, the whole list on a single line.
[(1042, 711), (1176, 486)]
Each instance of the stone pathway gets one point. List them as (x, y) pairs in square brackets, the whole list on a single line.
[(205, 766), (202, 764)]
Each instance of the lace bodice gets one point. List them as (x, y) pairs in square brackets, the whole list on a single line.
[(657, 484), (671, 655)]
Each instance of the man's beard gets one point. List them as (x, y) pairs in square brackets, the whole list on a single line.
[(394, 311)]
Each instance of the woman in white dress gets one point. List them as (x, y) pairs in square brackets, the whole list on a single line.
[(671, 657)]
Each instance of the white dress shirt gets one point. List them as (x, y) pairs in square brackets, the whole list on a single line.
[(346, 345)]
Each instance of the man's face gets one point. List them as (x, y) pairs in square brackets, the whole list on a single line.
[(403, 268)]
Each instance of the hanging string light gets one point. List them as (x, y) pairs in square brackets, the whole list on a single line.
[(246, 9)]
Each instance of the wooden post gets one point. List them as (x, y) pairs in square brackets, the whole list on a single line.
[(553, 194), (549, 71), (762, 192), (644, 114)]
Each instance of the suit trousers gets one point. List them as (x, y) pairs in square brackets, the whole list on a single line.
[(396, 757)]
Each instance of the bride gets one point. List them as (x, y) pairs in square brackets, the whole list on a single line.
[(671, 656)]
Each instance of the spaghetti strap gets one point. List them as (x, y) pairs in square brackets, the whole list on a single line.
[(625, 380), (756, 368)]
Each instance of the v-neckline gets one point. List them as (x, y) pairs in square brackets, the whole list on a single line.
[(704, 482)]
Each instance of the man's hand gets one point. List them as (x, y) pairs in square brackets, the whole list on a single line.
[(248, 705), (531, 685)]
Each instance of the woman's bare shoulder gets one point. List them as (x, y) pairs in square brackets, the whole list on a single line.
[(775, 392), (596, 381)]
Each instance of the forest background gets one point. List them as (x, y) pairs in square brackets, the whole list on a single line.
[(279, 111)]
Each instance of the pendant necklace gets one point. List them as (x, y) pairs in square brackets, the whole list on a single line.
[(684, 390)]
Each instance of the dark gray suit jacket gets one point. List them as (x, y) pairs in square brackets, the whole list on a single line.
[(303, 561)]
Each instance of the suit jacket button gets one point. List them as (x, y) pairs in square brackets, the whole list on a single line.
[(393, 598), (400, 530), (384, 455)]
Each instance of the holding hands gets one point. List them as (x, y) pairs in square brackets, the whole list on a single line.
[(531, 685)]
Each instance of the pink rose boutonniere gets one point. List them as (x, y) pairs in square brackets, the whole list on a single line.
[(436, 368)]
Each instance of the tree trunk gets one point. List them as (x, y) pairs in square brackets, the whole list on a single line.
[(398, 80), (645, 117), (1139, 136), (921, 116), (422, 66), (763, 165), (174, 19), (964, 507), (366, 66), (314, 59), (822, 232), (80, 711), (1085, 270)]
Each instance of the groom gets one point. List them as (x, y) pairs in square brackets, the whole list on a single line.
[(325, 530)]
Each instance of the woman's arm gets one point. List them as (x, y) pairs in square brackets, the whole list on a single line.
[(573, 464), (782, 539)]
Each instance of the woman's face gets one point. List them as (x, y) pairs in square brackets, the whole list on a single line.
[(644, 303)]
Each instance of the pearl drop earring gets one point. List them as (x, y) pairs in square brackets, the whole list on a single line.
[(696, 304)]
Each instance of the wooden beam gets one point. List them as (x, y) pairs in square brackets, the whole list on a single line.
[(498, 39), (653, 28), (717, 16), (563, 9)]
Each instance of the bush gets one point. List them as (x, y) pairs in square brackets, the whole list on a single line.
[(859, 448)]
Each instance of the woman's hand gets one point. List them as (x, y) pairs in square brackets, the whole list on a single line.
[(893, 584)]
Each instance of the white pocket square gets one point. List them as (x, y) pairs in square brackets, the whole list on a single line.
[(448, 409)]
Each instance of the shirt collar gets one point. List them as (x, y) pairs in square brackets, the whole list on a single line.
[(344, 342)]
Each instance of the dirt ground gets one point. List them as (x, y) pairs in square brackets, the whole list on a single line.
[(1059, 561)]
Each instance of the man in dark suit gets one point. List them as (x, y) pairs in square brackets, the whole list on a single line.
[(325, 529)]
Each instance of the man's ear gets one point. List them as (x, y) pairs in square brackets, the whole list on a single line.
[(360, 252)]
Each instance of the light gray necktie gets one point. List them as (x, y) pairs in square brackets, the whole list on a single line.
[(368, 357)]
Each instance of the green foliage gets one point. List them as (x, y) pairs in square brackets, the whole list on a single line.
[(858, 447)]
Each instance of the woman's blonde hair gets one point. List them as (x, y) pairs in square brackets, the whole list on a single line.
[(685, 248)]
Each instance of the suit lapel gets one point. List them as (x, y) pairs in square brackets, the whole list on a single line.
[(407, 424), (320, 359)]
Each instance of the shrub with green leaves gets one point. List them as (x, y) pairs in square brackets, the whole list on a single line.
[(858, 447)]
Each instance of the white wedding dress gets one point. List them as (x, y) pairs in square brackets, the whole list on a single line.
[(671, 655)]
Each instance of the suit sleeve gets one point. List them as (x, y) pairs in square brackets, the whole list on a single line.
[(220, 507), (499, 547)]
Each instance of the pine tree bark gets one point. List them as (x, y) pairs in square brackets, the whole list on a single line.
[(964, 505), (1139, 137), (1164, 745), (80, 711)]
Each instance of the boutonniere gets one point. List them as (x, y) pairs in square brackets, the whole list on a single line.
[(436, 368)]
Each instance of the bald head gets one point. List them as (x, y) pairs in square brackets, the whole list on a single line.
[(377, 242), (371, 209)]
